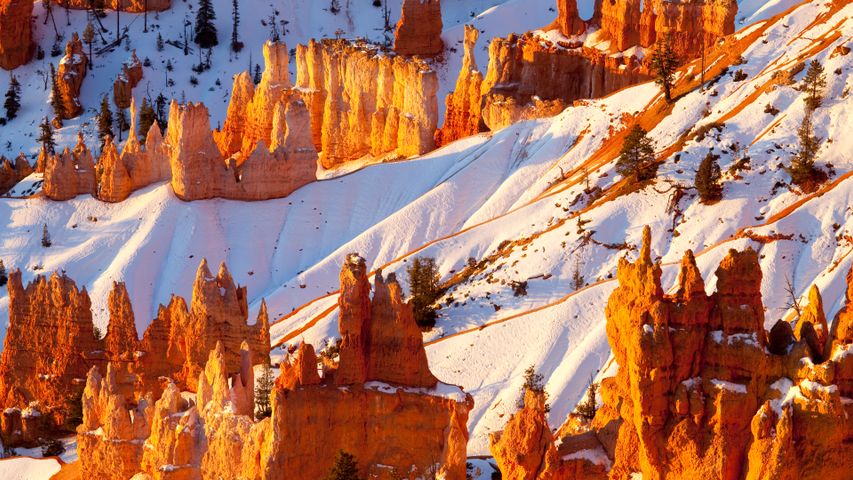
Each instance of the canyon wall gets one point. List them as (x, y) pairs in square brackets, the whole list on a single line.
[(364, 101), (69, 77), (379, 402), (16, 33), (132, 6), (12, 172), (703, 391), (419, 30)]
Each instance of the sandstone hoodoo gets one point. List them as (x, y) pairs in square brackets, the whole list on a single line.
[(462, 117), (70, 75), (16, 33), (133, 6), (13, 171), (698, 393), (130, 76), (380, 402), (419, 30), (70, 173)]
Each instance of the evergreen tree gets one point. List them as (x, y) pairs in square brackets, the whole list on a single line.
[(345, 468), (664, 64), (802, 170), (105, 120), (13, 98), (423, 283), (56, 96), (45, 237), (160, 43), (534, 382), (205, 30), (3, 277), (578, 281), (160, 108), (89, 39), (257, 76), (46, 136), (335, 6), (637, 158), (589, 406), (236, 44), (814, 83), (707, 180), (263, 388), (146, 118), (121, 121)]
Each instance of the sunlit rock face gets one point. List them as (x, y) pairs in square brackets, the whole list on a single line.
[(419, 30), (16, 33), (69, 77)]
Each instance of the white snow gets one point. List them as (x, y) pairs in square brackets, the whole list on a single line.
[(596, 456), (730, 386), (26, 468)]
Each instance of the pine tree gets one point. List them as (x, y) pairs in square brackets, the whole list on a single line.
[(3, 277), (263, 388), (423, 283), (146, 119), (637, 158), (802, 170), (205, 30), (707, 181), (89, 39), (257, 76), (56, 96), (589, 406), (160, 43), (121, 121), (45, 237), (335, 6), (345, 468), (236, 44), (578, 281), (46, 136), (160, 108), (664, 64), (814, 83), (13, 98), (105, 120)]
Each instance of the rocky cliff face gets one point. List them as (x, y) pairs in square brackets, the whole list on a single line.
[(702, 391), (12, 172), (70, 74), (130, 76), (70, 173), (419, 30), (363, 102), (133, 6), (462, 116), (394, 430), (16, 33), (568, 20)]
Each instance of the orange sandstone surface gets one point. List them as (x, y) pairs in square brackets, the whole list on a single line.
[(69, 76), (16, 33), (419, 30)]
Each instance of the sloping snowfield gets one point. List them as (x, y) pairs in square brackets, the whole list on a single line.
[(521, 185)]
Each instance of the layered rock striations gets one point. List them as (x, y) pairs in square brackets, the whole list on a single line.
[(70, 173), (394, 430), (12, 172), (702, 391), (419, 30), (130, 76), (462, 117), (364, 101), (133, 6), (69, 76), (16, 33)]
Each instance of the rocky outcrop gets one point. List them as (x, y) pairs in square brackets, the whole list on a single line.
[(130, 76), (364, 101), (568, 20), (699, 392), (12, 172), (70, 173), (393, 430), (199, 171), (16, 33), (138, 165), (133, 6), (462, 117), (419, 30), (69, 76)]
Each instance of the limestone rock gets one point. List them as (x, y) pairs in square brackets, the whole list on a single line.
[(12, 172), (70, 174), (115, 183), (301, 371), (130, 76), (462, 116), (121, 338), (568, 20), (524, 449), (419, 30), (811, 327), (620, 21), (230, 138), (70, 74), (16, 33)]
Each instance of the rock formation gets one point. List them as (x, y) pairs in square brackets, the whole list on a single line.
[(364, 101), (699, 392), (16, 33), (462, 117), (394, 430), (70, 75), (568, 20), (419, 29), (130, 76), (12, 173), (138, 165), (70, 173), (133, 6)]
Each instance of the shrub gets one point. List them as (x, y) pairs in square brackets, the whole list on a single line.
[(344, 468), (637, 158), (425, 290), (588, 406), (707, 181)]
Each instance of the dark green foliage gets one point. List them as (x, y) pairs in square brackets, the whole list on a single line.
[(46, 136), (45, 237), (105, 120), (236, 44), (664, 64), (424, 289), (160, 44), (205, 30), (13, 98), (813, 84), (3, 277), (803, 172), (707, 181), (534, 382), (74, 407), (147, 117), (51, 447), (257, 76), (160, 109), (587, 407), (345, 467), (637, 158), (263, 388), (121, 121), (56, 96)]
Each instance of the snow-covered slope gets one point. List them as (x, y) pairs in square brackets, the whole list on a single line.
[(512, 199)]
